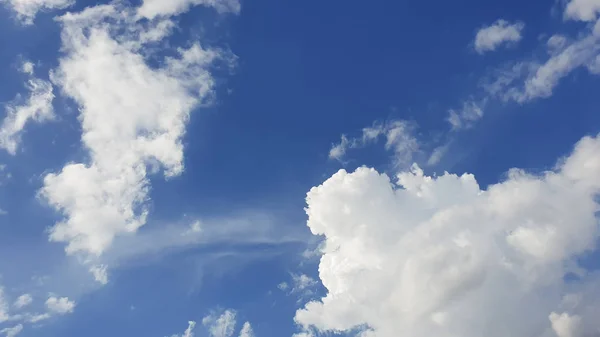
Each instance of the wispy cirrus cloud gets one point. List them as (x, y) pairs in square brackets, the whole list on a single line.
[(398, 135), (37, 107)]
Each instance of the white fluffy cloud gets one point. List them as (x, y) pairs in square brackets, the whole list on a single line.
[(60, 305), (583, 10), (133, 118), (154, 8), (499, 33), (23, 301), (27, 9), (399, 137), (37, 107), (13, 331), (439, 256)]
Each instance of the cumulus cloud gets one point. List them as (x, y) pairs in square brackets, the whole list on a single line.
[(27, 9), (60, 305), (12, 332), (440, 256), (23, 301), (37, 108), (500, 33), (133, 118), (399, 138), (154, 8), (582, 10)]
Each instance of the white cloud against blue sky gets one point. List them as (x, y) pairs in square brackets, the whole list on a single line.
[(227, 168), (497, 34)]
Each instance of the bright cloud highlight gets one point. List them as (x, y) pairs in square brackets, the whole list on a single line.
[(439, 256)]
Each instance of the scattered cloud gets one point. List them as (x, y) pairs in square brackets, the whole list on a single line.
[(556, 43), (246, 330), (100, 273), (528, 80), (465, 118), (189, 332), (399, 137), (23, 301), (151, 9), (338, 151), (27, 68), (222, 326), (26, 10), (38, 317), (37, 108), (500, 33), (12, 332), (437, 154), (54, 305), (582, 10), (60, 305), (302, 282), (133, 118), (439, 256)]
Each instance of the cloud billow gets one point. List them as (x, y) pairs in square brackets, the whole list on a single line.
[(439, 256)]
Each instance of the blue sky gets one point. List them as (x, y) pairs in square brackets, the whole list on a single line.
[(268, 168)]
